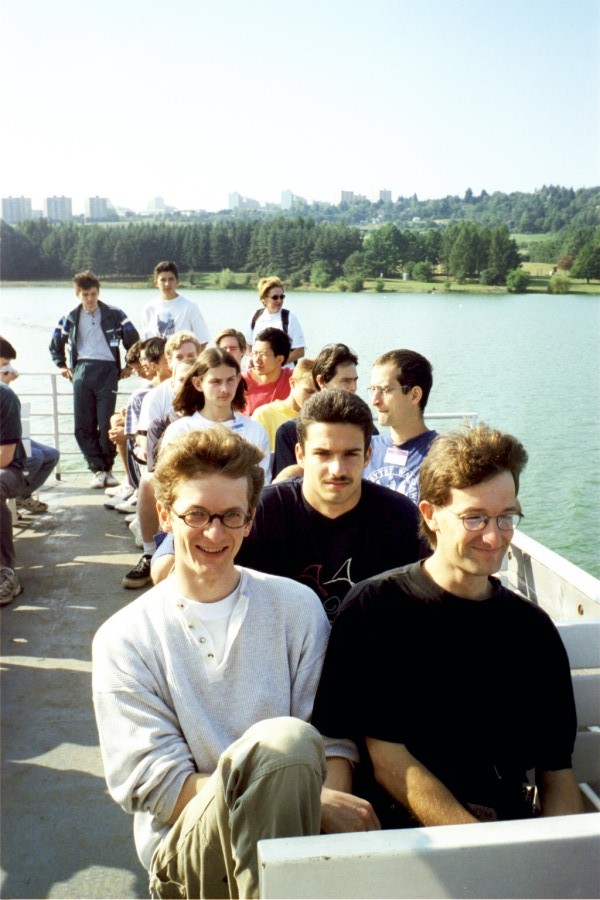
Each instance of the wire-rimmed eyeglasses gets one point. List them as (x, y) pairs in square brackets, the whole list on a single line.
[(505, 522), (384, 390)]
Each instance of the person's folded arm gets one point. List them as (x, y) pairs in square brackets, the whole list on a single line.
[(414, 786), (559, 793), (7, 455)]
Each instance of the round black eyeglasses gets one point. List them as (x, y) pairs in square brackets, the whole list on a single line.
[(200, 518)]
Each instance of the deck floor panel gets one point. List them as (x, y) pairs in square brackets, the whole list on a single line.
[(61, 835)]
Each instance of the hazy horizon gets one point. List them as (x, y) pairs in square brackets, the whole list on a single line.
[(137, 99)]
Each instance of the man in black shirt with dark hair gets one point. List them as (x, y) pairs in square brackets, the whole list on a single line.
[(330, 528), (463, 686)]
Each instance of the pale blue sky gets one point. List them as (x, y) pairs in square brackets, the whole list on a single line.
[(193, 99)]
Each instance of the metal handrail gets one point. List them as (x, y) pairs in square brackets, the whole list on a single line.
[(59, 431), (60, 435)]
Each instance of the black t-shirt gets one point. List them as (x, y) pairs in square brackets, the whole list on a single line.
[(286, 438), (478, 691), (10, 424), (292, 539)]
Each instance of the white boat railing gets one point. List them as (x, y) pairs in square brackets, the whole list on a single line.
[(51, 404), (50, 399), (563, 589)]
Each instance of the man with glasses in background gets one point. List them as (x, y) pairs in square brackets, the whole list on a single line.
[(401, 381), (466, 686), (203, 688), (268, 379)]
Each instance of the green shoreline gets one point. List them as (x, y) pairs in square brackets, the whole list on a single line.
[(208, 281)]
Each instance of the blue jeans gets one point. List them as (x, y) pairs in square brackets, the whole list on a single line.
[(38, 466)]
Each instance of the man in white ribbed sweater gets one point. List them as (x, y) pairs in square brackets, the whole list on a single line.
[(203, 688)]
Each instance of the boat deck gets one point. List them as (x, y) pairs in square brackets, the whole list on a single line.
[(61, 834)]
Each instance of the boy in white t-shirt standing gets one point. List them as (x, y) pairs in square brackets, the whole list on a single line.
[(171, 312)]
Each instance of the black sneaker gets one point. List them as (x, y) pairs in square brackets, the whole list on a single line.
[(140, 575)]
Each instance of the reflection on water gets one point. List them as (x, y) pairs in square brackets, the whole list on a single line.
[(527, 364)]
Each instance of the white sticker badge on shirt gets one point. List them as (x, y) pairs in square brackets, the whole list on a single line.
[(395, 456)]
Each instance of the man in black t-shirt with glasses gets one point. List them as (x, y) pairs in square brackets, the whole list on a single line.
[(452, 686)]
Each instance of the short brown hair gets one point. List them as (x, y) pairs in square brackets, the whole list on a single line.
[(189, 400), (461, 459), (166, 265), (413, 371), (302, 369), (208, 451), (329, 359), (83, 281), (234, 333), (132, 356), (335, 407)]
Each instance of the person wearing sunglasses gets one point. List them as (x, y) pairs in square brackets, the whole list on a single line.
[(203, 689), (466, 686), (273, 315)]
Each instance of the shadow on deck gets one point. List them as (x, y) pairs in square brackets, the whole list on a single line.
[(61, 834)]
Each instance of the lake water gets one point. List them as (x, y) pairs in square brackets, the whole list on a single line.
[(525, 364)]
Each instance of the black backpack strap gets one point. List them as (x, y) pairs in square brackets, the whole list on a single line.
[(285, 319)]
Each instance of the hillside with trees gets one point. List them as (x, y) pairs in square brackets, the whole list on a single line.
[(473, 244)]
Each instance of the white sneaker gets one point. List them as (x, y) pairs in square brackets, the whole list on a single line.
[(122, 490), (129, 505), (110, 480), (9, 586), (131, 517), (136, 530), (98, 480), (113, 502)]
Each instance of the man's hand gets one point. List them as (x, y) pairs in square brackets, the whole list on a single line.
[(125, 373), (66, 373), (344, 812), (117, 436)]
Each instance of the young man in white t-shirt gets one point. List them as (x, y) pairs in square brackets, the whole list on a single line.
[(171, 312)]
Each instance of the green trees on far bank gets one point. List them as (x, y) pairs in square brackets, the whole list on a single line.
[(301, 250), (464, 250)]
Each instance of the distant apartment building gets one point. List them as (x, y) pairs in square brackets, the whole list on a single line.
[(290, 200), (287, 200), (16, 209), (96, 209), (58, 209), (236, 201), (385, 196), (157, 205), (347, 197)]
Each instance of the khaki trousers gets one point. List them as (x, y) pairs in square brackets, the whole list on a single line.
[(267, 784)]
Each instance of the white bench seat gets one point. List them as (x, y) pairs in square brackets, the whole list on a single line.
[(554, 857)]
